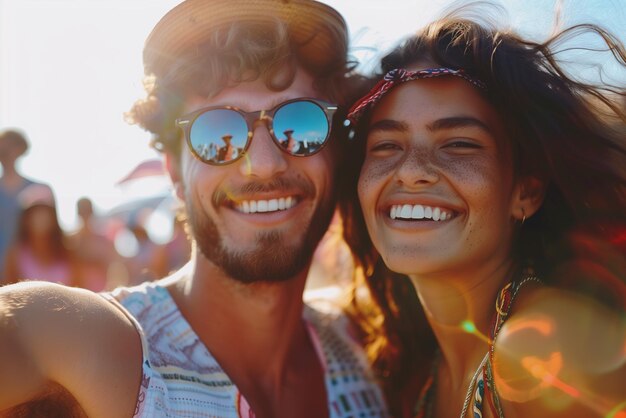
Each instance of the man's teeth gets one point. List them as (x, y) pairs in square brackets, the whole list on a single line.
[(419, 212), (272, 205)]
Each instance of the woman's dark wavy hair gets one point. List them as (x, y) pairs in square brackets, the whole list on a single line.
[(566, 132)]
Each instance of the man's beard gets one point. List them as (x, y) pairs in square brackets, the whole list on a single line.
[(272, 260)]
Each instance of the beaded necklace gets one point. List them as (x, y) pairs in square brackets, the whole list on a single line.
[(484, 372)]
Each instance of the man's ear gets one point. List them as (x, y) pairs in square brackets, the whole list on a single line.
[(172, 165), (529, 194)]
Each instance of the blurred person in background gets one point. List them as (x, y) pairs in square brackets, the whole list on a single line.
[(149, 260), (13, 145), (39, 250), (178, 248), (95, 255)]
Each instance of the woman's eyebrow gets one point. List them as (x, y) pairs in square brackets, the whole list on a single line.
[(458, 122), (386, 125)]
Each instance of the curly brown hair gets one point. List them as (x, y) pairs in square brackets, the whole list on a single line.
[(236, 53)]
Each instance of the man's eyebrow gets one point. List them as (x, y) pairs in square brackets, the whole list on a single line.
[(388, 125), (458, 122)]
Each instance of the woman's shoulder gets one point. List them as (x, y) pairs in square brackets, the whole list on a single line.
[(560, 354)]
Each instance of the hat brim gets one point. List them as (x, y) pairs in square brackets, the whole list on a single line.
[(314, 27)]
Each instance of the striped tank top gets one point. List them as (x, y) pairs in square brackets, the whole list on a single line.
[(182, 379)]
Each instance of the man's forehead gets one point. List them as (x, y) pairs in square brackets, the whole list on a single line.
[(256, 95), (243, 102)]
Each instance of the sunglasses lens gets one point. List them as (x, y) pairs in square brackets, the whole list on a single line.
[(218, 136), (301, 127)]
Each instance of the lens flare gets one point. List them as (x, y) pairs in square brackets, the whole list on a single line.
[(560, 351), (618, 412), (246, 157), (469, 327)]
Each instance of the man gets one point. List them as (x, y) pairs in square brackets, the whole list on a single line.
[(226, 152), (13, 145), (289, 142), (228, 335), (94, 254)]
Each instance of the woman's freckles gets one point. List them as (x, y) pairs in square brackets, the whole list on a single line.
[(378, 169)]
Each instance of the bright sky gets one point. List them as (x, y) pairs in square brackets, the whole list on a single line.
[(70, 68)]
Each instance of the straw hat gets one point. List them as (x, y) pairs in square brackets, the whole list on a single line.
[(317, 29)]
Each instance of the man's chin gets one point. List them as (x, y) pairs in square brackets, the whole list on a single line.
[(268, 263), (274, 256)]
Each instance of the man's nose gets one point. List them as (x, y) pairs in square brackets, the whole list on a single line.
[(263, 159)]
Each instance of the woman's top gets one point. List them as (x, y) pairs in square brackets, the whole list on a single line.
[(482, 385), (57, 271)]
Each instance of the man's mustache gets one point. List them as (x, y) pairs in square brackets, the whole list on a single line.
[(289, 185)]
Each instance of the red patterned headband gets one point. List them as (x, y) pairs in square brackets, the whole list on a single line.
[(399, 76)]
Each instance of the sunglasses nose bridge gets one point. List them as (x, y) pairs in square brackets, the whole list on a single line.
[(262, 117), (264, 159)]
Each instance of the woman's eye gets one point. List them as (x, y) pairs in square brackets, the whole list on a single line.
[(460, 144), (384, 146)]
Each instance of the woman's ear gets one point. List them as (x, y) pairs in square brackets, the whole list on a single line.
[(529, 194), (172, 165)]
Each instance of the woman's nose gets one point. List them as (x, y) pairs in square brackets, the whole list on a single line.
[(418, 167)]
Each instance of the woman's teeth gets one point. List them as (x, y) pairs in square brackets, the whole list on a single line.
[(419, 212)]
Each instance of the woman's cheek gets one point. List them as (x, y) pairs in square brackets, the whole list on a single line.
[(377, 169)]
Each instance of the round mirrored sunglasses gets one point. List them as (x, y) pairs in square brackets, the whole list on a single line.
[(220, 135)]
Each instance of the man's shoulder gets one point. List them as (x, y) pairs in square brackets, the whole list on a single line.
[(48, 310), (68, 336), (147, 295), (147, 306), (47, 299)]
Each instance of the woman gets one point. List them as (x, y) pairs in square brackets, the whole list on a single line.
[(39, 251), (491, 180)]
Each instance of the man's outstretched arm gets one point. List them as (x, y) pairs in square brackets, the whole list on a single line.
[(59, 343)]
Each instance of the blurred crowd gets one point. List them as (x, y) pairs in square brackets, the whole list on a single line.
[(102, 253)]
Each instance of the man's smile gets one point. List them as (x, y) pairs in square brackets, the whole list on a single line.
[(266, 205)]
